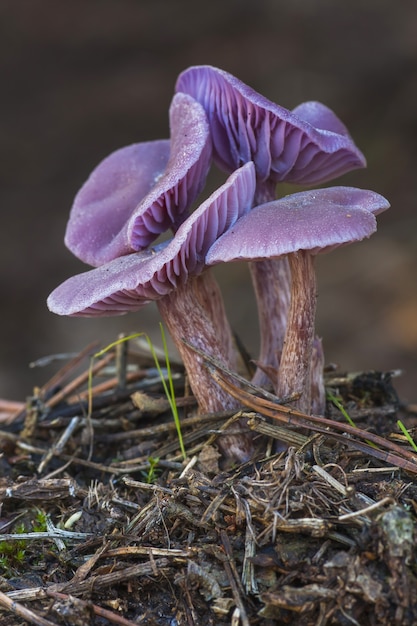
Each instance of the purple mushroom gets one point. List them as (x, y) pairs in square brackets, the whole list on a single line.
[(140, 191), (172, 275), (308, 145), (299, 227)]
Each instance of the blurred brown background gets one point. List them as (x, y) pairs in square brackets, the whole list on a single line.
[(82, 78)]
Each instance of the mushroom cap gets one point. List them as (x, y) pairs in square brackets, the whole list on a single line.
[(320, 116), (141, 190), (317, 220), (128, 282), (309, 145)]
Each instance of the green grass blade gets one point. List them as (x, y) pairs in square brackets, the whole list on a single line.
[(345, 414), (169, 391), (407, 435), (341, 408)]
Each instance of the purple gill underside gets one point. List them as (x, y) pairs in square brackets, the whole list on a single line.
[(128, 282), (142, 190), (309, 145)]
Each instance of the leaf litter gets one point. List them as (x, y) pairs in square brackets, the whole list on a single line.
[(104, 522)]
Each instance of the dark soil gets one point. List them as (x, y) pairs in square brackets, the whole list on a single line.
[(129, 532)]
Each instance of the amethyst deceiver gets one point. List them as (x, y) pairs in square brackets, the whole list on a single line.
[(308, 145), (173, 275), (299, 227), (140, 191)]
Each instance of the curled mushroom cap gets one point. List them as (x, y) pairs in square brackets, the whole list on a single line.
[(141, 190), (308, 145), (187, 297), (128, 282), (317, 221), (320, 116), (299, 227)]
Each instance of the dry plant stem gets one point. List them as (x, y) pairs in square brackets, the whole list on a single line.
[(78, 381), (384, 449), (98, 610), (295, 366), (23, 612), (66, 371), (318, 392)]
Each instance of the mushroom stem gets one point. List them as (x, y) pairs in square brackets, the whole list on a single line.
[(194, 311), (271, 281), (295, 365)]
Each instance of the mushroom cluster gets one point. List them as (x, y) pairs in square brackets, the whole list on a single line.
[(146, 189)]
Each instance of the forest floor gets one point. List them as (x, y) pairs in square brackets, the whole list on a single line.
[(103, 521)]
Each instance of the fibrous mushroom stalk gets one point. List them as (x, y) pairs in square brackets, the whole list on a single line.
[(195, 312), (271, 280), (295, 365), (186, 312)]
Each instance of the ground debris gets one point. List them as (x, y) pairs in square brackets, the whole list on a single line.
[(102, 520)]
